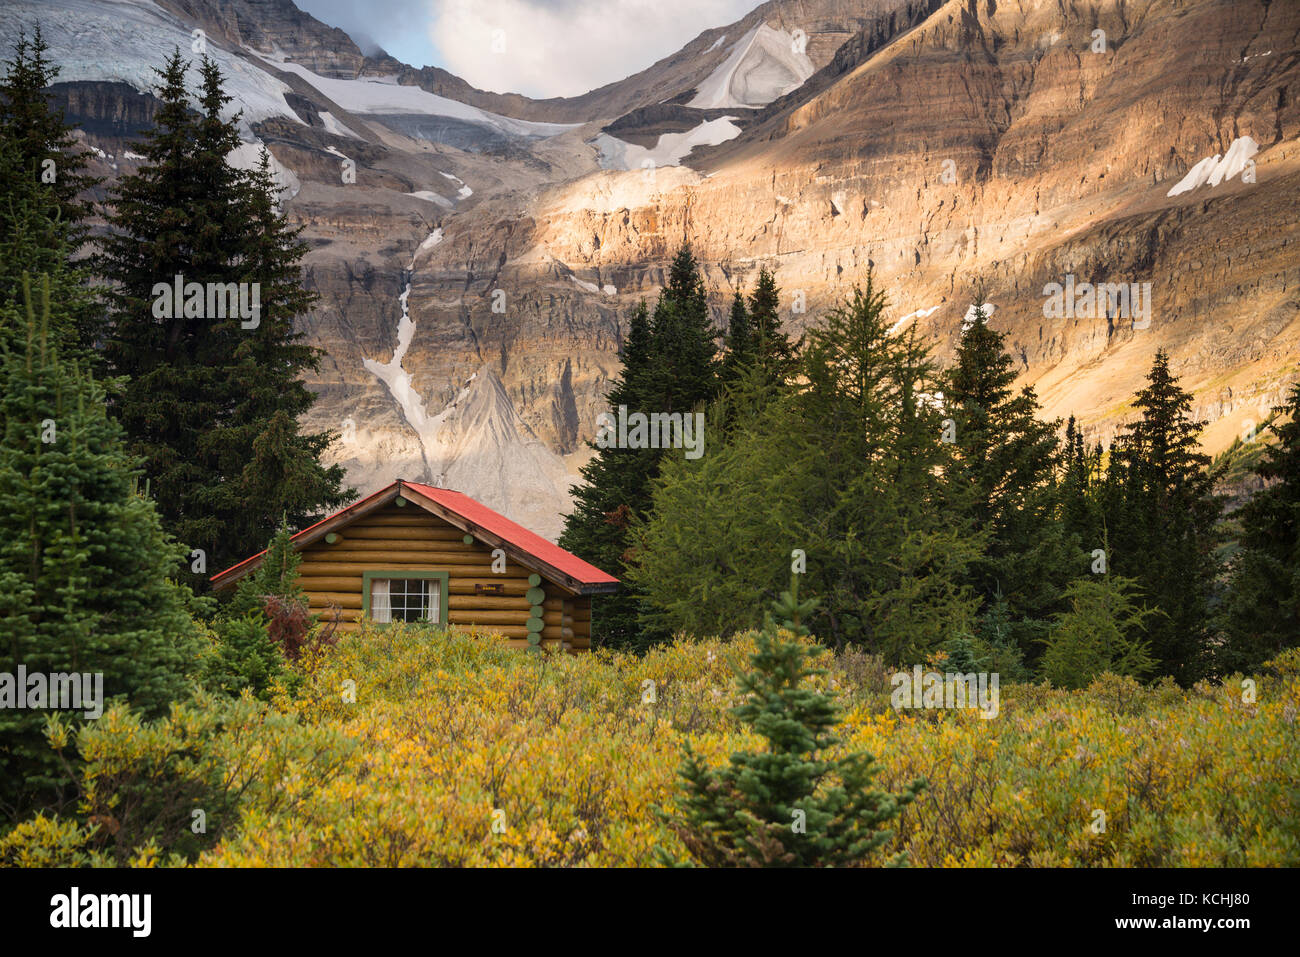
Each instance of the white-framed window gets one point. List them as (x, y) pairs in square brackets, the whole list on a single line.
[(405, 599)]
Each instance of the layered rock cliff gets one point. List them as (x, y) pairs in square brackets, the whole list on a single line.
[(966, 151)]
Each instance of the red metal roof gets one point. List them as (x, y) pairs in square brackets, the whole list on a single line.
[(515, 534), (478, 514)]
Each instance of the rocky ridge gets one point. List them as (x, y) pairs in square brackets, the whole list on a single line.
[(963, 150)]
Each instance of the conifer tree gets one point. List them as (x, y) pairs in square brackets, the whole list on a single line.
[(1006, 464), (615, 481), (683, 368), (84, 564), (893, 541), (670, 367), (789, 612), (773, 349), (740, 341), (1160, 510), (847, 469), (1261, 614), (706, 546), (1101, 632), (212, 401), (37, 133), (788, 804), (42, 217), (1080, 474)]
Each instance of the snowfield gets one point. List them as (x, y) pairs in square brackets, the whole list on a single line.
[(968, 320), (919, 314), (332, 125), (671, 149), (430, 241), (124, 40), (478, 441), (464, 192), (1213, 170), (249, 156), (429, 196), (383, 95), (763, 66)]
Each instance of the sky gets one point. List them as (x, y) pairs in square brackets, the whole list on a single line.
[(539, 48)]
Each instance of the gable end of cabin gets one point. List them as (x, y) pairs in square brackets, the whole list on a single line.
[(402, 562)]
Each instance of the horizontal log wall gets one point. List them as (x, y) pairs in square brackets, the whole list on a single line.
[(410, 539)]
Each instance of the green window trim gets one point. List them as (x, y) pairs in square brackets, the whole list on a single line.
[(443, 577)]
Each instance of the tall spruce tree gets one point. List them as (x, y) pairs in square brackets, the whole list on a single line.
[(683, 342), (1261, 614), (669, 366), (1080, 475), (891, 537), (614, 484), (740, 341), (847, 469), (39, 135), (1160, 511), (1007, 466), (42, 215), (773, 350), (83, 560), (213, 396)]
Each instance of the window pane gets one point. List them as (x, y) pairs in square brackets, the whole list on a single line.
[(410, 599), (380, 607), (406, 599), (433, 600)]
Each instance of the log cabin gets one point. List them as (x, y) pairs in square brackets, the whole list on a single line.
[(413, 552)]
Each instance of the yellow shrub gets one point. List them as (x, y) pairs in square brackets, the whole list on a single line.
[(406, 746)]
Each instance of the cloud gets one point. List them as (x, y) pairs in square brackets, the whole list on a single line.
[(400, 27), (544, 47), (566, 47)]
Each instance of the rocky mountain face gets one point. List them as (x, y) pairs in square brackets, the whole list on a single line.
[(477, 254)]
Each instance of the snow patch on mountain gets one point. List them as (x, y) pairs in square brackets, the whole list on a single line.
[(671, 149), (398, 380), (430, 241), (478, 443), (919, 314), (429, 196), (249, 156), (332, 125), (1213, 170), (968, 320), (383, 95), (764, 64), (124, 40), (464, 192), (595, 289)]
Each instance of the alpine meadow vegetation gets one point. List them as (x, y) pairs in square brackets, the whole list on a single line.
[(406, 745)]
